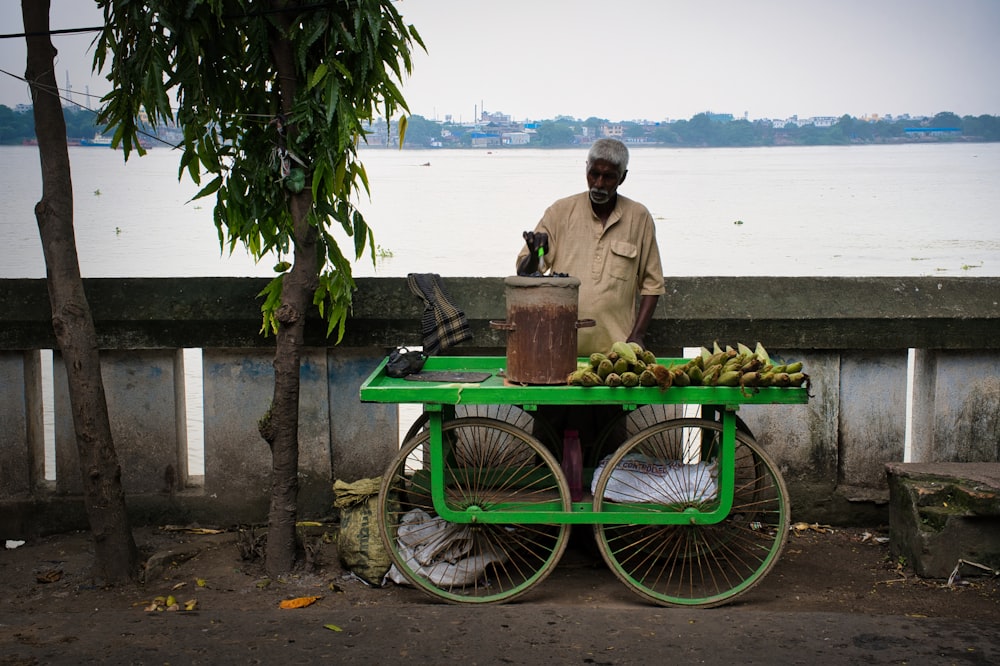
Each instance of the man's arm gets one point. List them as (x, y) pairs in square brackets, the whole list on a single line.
[(647, 305)]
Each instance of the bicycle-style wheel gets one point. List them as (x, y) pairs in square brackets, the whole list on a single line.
[(669, 468), (490, 465)]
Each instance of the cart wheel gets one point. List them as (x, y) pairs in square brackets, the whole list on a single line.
[(693, 565), (488, 462)]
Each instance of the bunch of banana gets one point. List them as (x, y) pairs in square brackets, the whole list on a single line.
[(625, 364), (628, 364), (742, 367)]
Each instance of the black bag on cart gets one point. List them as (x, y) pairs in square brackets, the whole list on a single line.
[(403, 361)]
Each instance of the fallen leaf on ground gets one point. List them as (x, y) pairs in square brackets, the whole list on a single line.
[(170, 603), (332, 627), (799, 528), (299, 602)]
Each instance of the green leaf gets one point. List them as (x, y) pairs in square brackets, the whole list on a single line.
[(403, 120), (272, 301), (211, 188), (361, 234), (318, 75), (193, 171), (332, 98), (296, 180)]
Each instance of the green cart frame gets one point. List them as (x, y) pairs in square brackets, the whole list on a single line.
[(688, 511)]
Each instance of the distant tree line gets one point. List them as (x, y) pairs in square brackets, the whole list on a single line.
[(16, 127), (701, 130)]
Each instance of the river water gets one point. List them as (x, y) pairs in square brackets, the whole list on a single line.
[(900, 210), (913, 209)]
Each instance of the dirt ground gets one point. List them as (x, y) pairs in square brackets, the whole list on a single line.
[(821, 570)]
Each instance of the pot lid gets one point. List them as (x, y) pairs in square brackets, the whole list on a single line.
[(541, 281)]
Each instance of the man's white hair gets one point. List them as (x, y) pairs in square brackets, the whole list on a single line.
[(609, 150)]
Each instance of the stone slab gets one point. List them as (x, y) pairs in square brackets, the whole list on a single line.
[(940, 513)]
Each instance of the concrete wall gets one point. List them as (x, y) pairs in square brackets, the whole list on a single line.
[(853, 334)]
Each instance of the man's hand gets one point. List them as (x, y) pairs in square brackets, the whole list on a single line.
[(535, 241), (530, 264)]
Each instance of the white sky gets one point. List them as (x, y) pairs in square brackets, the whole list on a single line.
[(655, 59)]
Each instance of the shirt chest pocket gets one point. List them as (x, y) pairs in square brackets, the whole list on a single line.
[(622, 260)]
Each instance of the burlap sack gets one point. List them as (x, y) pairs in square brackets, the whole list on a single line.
[(359, 543)]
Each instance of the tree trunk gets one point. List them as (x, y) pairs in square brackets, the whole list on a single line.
[(281, 427), (283, 431), (115, 550)]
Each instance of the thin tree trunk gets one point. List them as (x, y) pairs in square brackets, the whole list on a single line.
[(115, 550), (282, 425)]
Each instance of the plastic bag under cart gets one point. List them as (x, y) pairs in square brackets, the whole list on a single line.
[(441, 551), (639, 478)]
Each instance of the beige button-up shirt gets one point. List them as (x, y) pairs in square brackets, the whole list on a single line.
[(616, 263)]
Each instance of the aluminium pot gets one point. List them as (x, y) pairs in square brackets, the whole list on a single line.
[(541, 328)]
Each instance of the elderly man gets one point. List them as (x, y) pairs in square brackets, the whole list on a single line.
[(607, 241)]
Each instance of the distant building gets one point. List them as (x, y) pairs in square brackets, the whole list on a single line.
[(515, 139), (818, 121), (495, 117), (932, 131), (484, 139), (823, 121)]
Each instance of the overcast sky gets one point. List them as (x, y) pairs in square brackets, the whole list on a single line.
[(654, 59)]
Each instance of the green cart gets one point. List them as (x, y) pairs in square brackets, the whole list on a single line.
[(689, 511)]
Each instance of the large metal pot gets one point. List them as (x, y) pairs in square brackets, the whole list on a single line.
[(541, 328)]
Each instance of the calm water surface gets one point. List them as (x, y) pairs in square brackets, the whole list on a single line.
[(850, 211)]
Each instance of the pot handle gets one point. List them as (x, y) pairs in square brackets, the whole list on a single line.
[(502, 325), (585, 323)]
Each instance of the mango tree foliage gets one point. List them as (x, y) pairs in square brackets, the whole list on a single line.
[(272, 96), (207, 65)]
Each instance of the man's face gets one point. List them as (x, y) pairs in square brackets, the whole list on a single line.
[(603, 180)]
